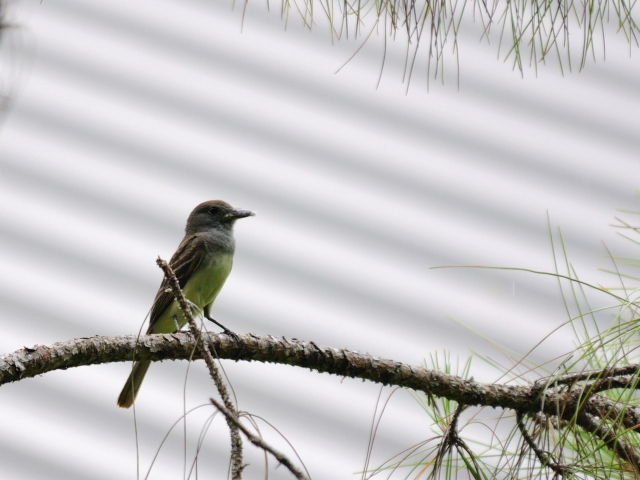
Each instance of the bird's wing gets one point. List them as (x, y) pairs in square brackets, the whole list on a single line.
[(184, 262)]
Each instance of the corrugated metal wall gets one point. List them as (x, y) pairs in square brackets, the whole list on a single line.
[(131, 113)]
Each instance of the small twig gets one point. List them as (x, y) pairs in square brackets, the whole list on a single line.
[(628, 381), (203, 347), (544, 458), (451, 440), (452, 434), (458, 442), (258, 442), (228, 409), (595, 375)]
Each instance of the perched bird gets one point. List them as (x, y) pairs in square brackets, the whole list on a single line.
[(201, 263)]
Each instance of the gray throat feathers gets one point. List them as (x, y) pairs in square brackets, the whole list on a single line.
[(219, 240)]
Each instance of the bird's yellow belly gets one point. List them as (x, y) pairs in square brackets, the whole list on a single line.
[(202, 288)]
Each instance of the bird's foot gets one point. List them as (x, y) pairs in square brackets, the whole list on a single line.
[(234, 336), (175, 320), (225, 330)]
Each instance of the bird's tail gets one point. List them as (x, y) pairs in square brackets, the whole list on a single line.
[(130, 389)]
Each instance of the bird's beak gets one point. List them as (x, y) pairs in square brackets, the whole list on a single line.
[(238, 213)]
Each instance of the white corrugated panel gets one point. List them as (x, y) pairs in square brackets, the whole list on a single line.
[(134, 112)]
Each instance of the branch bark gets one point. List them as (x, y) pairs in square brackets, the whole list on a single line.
[(29, 362), (621, 448), (579, 404)]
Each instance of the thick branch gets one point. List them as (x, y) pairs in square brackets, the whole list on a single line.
[(614, 411), (30, 362), (616, 444), (524, 400)]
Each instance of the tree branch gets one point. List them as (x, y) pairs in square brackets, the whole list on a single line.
[(613, 442), (527, 400), (544, 458), (203, 348), (572, 378), (258, 442), (30, 362)]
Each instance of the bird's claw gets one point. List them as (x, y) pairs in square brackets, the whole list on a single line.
[(231, 334), (177, 324), (225, 330)]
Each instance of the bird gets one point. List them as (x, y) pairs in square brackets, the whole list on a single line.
[(201, 263)]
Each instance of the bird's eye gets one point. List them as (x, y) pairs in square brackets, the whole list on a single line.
[(214, 210)]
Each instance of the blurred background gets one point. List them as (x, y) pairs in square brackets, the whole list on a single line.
[(128, 114)]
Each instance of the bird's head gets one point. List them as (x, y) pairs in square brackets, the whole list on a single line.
[(214, 214)]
